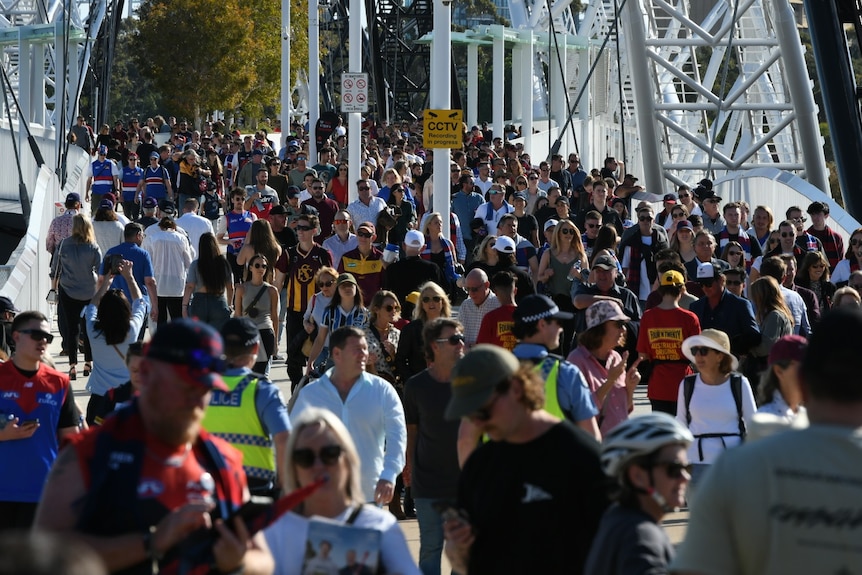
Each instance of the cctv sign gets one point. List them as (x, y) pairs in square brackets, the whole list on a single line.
[(443, 129), (354, 93)]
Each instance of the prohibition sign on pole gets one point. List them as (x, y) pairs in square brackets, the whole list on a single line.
[(354, 93)]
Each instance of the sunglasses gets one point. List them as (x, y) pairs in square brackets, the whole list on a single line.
[(734, 253), (484, 413), (337, 222), (567, 231), (304, 228), (592, 226), (365, 235), (707, 283), (787, 234), (474, 289), (260, 266), (454, 170), (800, 219), (328, 455), (363, 188), (38, 335), (701, 350), (684, 195), (390, 308), (574, 161), (674, 469), (534, 177), (330, 283), (454, 339), (733, 283), (430, 298), (645, 219), (855, 242), (678, 215), (316, 187)]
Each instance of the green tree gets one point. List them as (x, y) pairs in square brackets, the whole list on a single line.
[(197, 53), (132, 94)]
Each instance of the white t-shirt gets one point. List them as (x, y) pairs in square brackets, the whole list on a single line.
[(713, 410), (788, 503), (286, 539)]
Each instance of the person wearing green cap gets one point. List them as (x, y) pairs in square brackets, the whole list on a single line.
[(535, 471)]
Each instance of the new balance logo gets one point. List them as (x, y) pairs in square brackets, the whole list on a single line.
[(535, 493)]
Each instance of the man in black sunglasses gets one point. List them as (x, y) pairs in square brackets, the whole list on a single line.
[(140, 484), (37, 410), (522, 490)]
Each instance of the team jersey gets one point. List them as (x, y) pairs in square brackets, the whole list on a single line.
[(237, 228), (155, 182), (131, 177), (300, 269), (103, 176)]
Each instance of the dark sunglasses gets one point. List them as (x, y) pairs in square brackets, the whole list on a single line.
[(685, 195), (567, 231), (304, 228), (734, 253), (430, 298), (330, 283), (787, 234), (454, 339), (674, 469), (260, 266), (306, 457), (364, 234), (645, 219), (316, 187), (733, 283), (453, 170), (707, 283), (484, 413), (473, 289), (592, 226), (390, 308), (38, 335), (701, 350), (363, 188), (340, 221)]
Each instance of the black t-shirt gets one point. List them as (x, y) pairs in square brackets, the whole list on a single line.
[(286, 237), (526, 225), (629, 542), (435, 465), (534, 507)]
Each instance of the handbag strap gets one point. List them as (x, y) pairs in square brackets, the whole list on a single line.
[(120, 353), (353, 515), (256, 298)]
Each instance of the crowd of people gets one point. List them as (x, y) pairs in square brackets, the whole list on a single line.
[(477, 374)]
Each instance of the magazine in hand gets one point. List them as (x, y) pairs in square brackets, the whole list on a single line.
[(335, 548)]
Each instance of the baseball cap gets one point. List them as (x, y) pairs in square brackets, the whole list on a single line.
[(630, 177), (706, 183), (278, 210), (292, 192), (476, 376), (414, 239), (505, 245), (150, 203), (707, 272), (154, 155), (110, 196), (193, 348), (73, 197), (133, 155), (520, 196), (605, 262), (602, 311), (257, 152), (346, 278), (550, 224), (788, 348), (670, 198), (535, 307), (671, 278), (684, 225), (240, 332), (368, 226), (168, 208), (103, 150), (7, 305), (106, 205), (413, 297)]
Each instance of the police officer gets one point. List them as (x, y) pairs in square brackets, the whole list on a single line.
[(251, 415)]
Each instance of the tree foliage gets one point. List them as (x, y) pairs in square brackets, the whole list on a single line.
[(200, 54), (132, 94)]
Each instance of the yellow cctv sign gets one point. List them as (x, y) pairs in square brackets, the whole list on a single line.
[(443, 129)]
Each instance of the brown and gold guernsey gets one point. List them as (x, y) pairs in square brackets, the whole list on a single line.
[(300, 268)]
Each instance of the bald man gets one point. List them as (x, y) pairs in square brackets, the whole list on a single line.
[(480, 300)]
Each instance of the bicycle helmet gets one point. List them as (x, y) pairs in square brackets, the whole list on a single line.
[(639, 436)]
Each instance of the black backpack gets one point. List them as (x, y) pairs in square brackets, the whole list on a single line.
[(736, 390), (211, 206)]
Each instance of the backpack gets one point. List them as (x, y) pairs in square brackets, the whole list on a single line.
[(735, 389), (211, 205)]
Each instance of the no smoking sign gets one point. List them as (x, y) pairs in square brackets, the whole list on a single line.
[(354, 93)]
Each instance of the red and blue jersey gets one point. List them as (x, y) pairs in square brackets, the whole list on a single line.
[(103, 177), (155, 182), (27, 461), (130, 179), (237, 228)]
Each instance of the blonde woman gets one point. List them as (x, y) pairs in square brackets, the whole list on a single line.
[(432, 304)]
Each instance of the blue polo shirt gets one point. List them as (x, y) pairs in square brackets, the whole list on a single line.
[(142, 267)]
